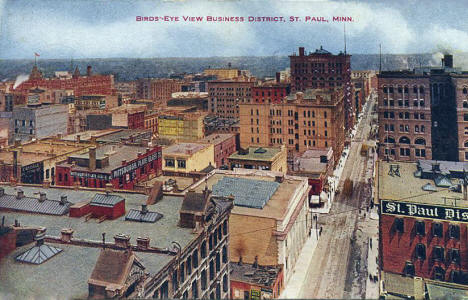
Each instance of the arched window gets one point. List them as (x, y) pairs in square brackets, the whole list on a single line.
[(420, 141), (465, 90), (421, 89), (466, 144), (331, 78), (390, 140), (465, 104), (404, 140), (439, 273)]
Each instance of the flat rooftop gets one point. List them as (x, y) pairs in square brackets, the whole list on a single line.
[(184, 149), (86, 135), (257, 153), (407, 187), (116, 137), (65, 275), (24, 158), (116, 153), (260, 275), (216, 138), (277, 205)]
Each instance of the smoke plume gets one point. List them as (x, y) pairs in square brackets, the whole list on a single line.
[(20, 79)]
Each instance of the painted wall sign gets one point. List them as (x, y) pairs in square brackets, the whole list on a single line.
[(424, 211)]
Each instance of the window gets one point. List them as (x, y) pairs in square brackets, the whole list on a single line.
[(420, 228), (465, 91), (218, 262), (170, 162), (454, 255), (416, 116), (439, 273), (421, 251), (416, 128), (203, 280), (422, 117), (465, 104), (420, 152), (421, 90), (225, 227), (409, 269), (195, 258), (420, 141), (175, 283), (465, 117), (438, 253), (212, 271), (225, 283), (194, 290), (423, 128), (404, 140), (225, 258), (203, 249), (189, 265), (399, 225), (181, 163), (454, 231), (437, 229)]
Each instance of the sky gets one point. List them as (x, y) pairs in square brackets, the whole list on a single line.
[(108, 28)]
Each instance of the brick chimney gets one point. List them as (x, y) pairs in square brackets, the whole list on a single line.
[(66, 235), (278, 77), (2, 191), (19, 194), (63, 200), (78, 138), (92, 159), (143, 243), (109, 187), (301, 51), (122, 241)]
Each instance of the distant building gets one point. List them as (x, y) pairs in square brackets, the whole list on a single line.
[(190, 99), (270, 93), (97, 102), (301, 121), (39, 121), (222, 73), (120, 165), (158, 90), (130, 116), (226, 95), (91, 84), (187, 157), (224, 146), (260, 158), (181, 126), (323, 70)]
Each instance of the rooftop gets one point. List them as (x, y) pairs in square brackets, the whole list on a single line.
[(260, 275), (257, 153), (278, 204), (86, 135), (116, 137), (184, 148), (410, 182), (216, 138), (73, 266), (311, 161)]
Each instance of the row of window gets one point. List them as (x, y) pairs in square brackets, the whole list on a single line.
[(405, 140), (406, 115), (170, 162), (23, 122), (436, 230), (404, 103), (405, 89), (269, 94), (438, 253), (405, 128), (406, 152), (438, 273)]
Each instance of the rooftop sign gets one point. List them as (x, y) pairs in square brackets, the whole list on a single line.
[(424, 211)]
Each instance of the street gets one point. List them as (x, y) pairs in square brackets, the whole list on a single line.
[(340, 260)]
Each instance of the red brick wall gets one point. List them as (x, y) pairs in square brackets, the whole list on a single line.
[(111, 212), (316, 186), (223, 150), (397, 248), (7, 243), (262, 94)]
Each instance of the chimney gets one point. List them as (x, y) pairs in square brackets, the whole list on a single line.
[(300, 96), (447, 61), (19, 194), (255, 264), (66, 235), (92, 158), (124, 162), (435, 167), (279, 178), (2, 191), (46, 184), (42, 197), (40, 237), (17, 143), (142, 243), (144, 209), (63, 200), (122, 241), (78, 138), (93, 139), (139, 153), (15, 163), (89, 71), (278, 77), (301, 51)]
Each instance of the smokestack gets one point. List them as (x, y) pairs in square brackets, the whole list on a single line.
[(19, 194), (278, 77), (255, 264), (92, 158), (122, 241), (301, 51), (89, 71), (63, 200), (447, 61)]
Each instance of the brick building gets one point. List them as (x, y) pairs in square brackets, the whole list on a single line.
[(260, 158), (158, 90), (120, 165), (191, 260), (130, 116), (321, 70), (91, 84), (224, 145), (302, 121), (181, 126), (269, 93), (264, 199), (222, 73), (423, 215), (404, 116), (251, 281), (225, 96)]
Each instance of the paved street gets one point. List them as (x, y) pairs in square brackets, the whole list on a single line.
[(339, 263)]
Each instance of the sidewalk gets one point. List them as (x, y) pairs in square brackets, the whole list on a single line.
[(372, 288), (295, 282)]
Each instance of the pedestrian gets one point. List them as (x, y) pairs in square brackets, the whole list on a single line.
[(320, 232), (370, 243), (370, 277)]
